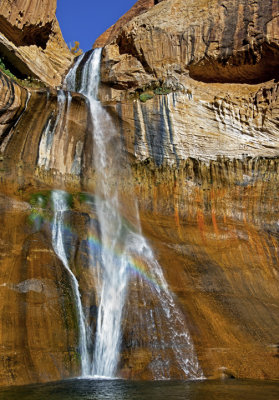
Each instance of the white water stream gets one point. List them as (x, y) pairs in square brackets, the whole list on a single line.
[(120, 246), (112, 285), (59, 200)]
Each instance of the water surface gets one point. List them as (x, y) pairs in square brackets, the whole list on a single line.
[(83, 389)]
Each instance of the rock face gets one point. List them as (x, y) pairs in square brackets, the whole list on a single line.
[(192, 87), (201, 121), (195, 88), (214, 41), (39, 336), (214, 228), (31, 42), (38, 332), (48, 122), (25, 23), (138, 8)]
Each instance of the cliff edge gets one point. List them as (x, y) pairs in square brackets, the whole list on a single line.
[(31, 43)]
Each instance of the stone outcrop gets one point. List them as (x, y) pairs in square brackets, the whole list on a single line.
[(202, 116), (214, 41), (155, 76), (200, 121), (214, 228), (192, 88), (38, 333), (25, 22), (138, 8), (40, 149), (31, 42), (52, 124)]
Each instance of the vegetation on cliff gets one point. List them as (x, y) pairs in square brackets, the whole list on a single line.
[(29, 82)]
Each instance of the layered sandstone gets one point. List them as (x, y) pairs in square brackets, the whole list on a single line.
[(214, 41), (214, 229), (25, 22), (31, 42), (189, 78), (52, 124), (42, 135), (38, 318), (192, 88), (200, 121), (138, 8)]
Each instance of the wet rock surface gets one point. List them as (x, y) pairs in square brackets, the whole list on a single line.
[(192, 88)]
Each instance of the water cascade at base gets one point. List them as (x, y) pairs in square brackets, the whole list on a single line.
[(59, 200), (123, 246)]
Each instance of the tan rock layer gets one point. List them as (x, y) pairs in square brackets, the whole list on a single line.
[(21, 13), (38, 334), (214, 41), (212, 224), (56, 133), (27, 36), (138, 8), (31, 42), (202, 121)]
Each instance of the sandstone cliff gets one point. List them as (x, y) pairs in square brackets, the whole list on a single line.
[(195, 87), (192, 87), (152, 56), (31, 42), (138, 8), (213, 41)]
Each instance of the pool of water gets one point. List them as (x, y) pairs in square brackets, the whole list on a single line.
[(83, 389)]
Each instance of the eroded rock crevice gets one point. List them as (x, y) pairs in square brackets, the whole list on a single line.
[(28, 35), (250, 66)]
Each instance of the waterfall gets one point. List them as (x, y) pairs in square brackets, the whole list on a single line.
[(59, 201), (121, 245), (45, 158), (71, 77), (112, 285)]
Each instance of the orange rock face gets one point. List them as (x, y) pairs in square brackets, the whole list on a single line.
[(39, 334), (31, 42), (24, 22), (138, 8), (214, 228), (214, 41), (192, 89), (38, 330)]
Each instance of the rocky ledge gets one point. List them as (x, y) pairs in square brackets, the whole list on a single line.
[(31, 43)]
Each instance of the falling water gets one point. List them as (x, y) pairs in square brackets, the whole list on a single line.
[(59, 200), (71, 78), (120, 245), (47, 139), (111, 288)]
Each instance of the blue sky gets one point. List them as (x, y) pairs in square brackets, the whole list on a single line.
[(85, 20)]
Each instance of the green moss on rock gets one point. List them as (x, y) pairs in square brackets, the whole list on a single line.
[(146, 96), (162, 90)]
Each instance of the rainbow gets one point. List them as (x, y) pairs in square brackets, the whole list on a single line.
[(135, 265)]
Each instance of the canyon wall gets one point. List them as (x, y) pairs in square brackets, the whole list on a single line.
[(39, 336), (193, 87), (31, 43), (193, 90)]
